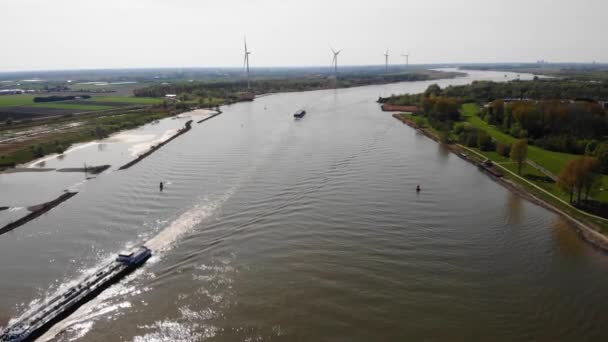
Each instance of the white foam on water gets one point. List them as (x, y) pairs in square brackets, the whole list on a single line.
[(187, 328), (181, 226), (168, 330), (80, 322)]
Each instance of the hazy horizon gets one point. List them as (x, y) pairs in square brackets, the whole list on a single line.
[(130, 34)]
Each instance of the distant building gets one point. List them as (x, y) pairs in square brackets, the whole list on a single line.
[(171, 97), (11, 91)]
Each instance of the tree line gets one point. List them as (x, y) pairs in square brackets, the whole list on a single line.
[(488, 91), (231, 89)]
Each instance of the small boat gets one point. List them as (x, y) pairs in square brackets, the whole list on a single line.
[(299, 114)]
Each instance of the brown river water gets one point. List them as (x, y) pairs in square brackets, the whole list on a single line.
[(271, 229)]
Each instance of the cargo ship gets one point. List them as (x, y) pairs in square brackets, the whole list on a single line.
[(299, 114), (40, 319)]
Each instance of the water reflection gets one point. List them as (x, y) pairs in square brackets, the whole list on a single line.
[(443, 152), (515, 208), (566, 238)]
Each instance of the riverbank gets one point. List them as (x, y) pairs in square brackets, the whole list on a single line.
[(589, 232), (93, 170), (51, 137)]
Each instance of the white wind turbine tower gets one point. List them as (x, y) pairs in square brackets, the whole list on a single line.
[(407, 59), (334, 61), (246, 61), (386, 60)]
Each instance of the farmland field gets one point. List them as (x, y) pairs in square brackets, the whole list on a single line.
[(69, 105), (16, 100), (28, 112), (23, 107), (133, 100)]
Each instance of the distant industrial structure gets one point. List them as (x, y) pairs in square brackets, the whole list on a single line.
[(15, 91)]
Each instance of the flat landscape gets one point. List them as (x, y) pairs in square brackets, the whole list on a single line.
[(219, 171), (18, 107)]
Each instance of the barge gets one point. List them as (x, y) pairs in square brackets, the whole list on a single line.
[(489, 168), (40, 319)]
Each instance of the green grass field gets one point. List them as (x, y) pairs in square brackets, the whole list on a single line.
[(133, 100), (16, 100), (28, 100), (552, 161), (67, 105)]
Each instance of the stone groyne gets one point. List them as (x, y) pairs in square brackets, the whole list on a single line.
[(154, 148), (37, 211)]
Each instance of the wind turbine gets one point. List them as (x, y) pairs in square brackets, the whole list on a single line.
[(334, 61), (246, 61), (386, 60), (407, 59)]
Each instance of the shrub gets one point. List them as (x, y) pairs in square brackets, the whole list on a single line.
[(460, 127), (37, 151), (503, 149), (484, 141)]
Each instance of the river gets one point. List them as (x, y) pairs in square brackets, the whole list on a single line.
[(309, 230)]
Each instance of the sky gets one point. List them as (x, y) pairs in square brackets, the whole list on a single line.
[(95, 34)]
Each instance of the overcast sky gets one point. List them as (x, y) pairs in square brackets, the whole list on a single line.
[(73, 34)]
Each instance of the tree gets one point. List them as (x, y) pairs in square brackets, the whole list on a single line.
[(37, 151), (591, 176), (567, 178), (446, 109), (580, 175), (503, 149), (497, 112), (484, 141), (601, 153), (432, 91), (519, 152)]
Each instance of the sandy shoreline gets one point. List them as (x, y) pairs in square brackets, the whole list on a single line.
[(585, 230)]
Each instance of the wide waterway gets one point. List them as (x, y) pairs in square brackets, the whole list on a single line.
[(310, 230)]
